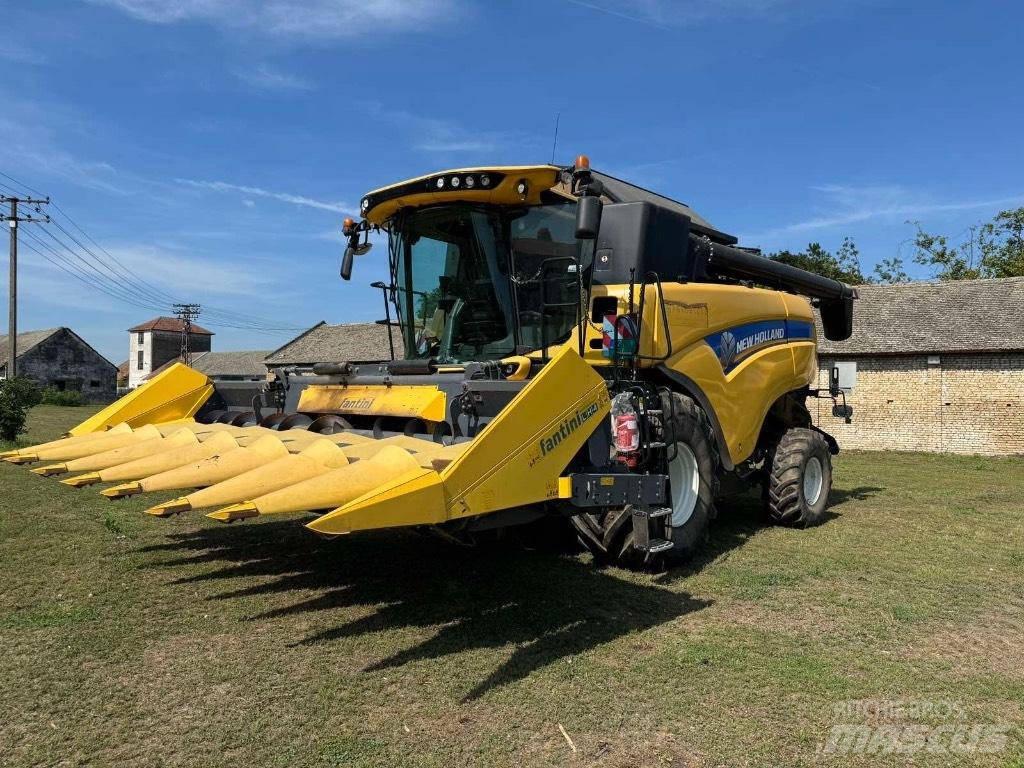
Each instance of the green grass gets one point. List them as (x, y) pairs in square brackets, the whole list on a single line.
[(128, 640)]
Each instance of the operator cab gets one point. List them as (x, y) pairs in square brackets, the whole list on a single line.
[(484, 264)]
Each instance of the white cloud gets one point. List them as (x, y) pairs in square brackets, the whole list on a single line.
[(30, 144), (676, 13), (309, 19), (848, 205), (309, 202), (183, 275), (441, 136), (268, 78)]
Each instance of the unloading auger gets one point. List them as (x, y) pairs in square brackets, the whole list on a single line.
[(571, 345)]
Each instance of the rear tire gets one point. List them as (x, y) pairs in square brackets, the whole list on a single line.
[(692, 487), (800, 479)]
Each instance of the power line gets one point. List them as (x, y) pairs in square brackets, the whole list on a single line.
[(109, 274), (86, 277), (13, 220)]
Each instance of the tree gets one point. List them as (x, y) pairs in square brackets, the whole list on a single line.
[(890, 271), (993, 249), (17, 395), (843, 265)]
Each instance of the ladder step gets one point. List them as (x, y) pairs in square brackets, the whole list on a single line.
[(655, 444), (658, 545), (659, 512)]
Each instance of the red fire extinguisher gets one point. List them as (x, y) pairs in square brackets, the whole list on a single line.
[(625, 429)]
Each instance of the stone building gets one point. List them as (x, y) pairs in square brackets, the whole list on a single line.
[(348, 343), (931, 367), (157, 342), (60, 358)]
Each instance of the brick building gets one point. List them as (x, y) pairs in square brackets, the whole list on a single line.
[(157, 342), (931, 367), (60, 358)]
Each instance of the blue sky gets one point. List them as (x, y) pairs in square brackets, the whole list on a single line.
[(213, 146)]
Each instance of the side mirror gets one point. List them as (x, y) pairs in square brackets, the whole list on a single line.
[(346, 263), (588, 217), (833, 381), (843, 411)]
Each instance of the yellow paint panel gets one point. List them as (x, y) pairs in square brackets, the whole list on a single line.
[(415, 498), (177, 393), (426, 402), (538, 177), (517, 459), (740, 399), (519, 456)]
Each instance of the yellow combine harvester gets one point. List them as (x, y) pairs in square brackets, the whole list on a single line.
[(571, 345)]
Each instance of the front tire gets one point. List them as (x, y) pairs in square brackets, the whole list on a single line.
[(800, 479), (692, 487)]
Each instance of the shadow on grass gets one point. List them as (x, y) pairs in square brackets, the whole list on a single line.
[(741, 516), (860, 493), (547, 606)]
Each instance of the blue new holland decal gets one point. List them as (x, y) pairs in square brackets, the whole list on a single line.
[(733, 345)]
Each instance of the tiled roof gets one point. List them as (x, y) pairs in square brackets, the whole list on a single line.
[(323, 343), (171, 324), (25, 342), (935, 317), (248, 363), (215, 364), (30, 339)]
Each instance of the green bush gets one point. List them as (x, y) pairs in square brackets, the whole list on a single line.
[(54, 396), (26, 391), (16, 397)]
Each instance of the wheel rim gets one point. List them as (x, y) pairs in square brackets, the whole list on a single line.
[(684, 484), (813, 480)]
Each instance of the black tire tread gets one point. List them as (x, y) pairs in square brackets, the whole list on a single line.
[(784, 499)]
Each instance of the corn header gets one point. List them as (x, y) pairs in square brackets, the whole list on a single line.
[(565, 344)]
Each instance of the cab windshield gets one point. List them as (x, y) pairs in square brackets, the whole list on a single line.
[(480, 283)]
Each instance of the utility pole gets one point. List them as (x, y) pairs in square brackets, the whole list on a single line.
[(12, 220), (186, 313)]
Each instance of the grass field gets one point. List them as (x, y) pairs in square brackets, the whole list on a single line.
[(128, 640)]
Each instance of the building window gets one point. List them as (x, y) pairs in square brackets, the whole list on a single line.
[(139, 364), (94, 383), (140, 337)]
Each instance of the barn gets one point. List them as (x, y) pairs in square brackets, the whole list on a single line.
[(931, 366), (60, 358)]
